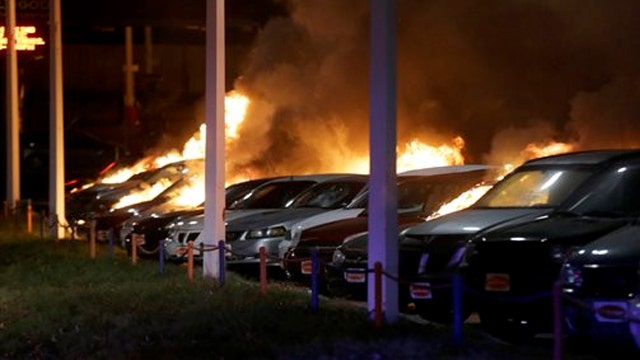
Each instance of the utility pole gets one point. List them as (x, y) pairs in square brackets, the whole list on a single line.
[(13, 112)]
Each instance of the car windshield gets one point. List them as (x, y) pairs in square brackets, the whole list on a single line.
[(328, 195), (535, 187), (424, 194), (272, 195), (614, 193)]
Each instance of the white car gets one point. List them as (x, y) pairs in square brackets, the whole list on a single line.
[(271, 196)]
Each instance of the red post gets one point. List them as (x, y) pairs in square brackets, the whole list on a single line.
[(377, 272), (29, 217), (134, 249), (190, 260), (263, 270), (92, 239)]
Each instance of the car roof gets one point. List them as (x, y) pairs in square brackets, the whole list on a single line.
[(449, 169), (587, 157)]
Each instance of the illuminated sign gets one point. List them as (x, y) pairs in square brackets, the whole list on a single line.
[(24, 38)]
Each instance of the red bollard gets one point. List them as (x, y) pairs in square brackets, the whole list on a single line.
[(190, 260), (92, 240), (134, 249), (377, 272), (29, 216), (263, 270)]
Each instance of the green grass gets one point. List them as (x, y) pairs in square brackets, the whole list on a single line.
[(57, 302)]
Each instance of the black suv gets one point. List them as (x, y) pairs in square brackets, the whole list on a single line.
[(510, 269)]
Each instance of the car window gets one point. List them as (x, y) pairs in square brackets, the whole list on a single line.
[(538, 187), (272, 195), (615, 192), (425, 194), (328, 195)]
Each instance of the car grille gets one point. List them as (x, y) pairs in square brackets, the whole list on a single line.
[(609, 282), (529, 265)]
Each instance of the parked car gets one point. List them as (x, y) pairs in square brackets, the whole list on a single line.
[(150, 227), (246, 235), (430, 253), (601, 286), (271, 196), (510, 268), (99, 199), (420, 193), (359, 204)]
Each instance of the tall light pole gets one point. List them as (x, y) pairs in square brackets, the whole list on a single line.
[(383, 203), (57, 214), (214, 143), (13, 115)]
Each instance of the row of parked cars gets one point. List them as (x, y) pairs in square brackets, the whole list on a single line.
[(569, 219)]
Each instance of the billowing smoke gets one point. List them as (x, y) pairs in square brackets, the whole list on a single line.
[(499, 73)]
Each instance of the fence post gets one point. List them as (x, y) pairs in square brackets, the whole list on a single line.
[(263, 270), (29, 216), (110, 239), (377, 272), (134, 249), (6, 209), (314, 280), (190, 260), (457, 309), (221, 259), (42, 220), (92, 239), (557, 320)]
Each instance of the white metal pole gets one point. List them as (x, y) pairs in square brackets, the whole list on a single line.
[(56, 126), (13, 115), (383, 227), (214, 228)]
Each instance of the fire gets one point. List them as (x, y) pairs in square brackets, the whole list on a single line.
[(461, 201), (143, 195), (418, 155), (191, 196), (469, 197), (413, 155), (235, 109)]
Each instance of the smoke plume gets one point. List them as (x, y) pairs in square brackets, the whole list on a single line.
[(498, 73)]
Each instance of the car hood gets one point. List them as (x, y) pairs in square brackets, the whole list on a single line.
[(335, 232), (619, 247), (472, 220), (284, 217), (557, 228), (327, 217), (232, 215)]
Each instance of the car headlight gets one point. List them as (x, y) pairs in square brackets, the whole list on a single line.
[(278, 231), (571, 275), (338, 257)]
